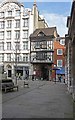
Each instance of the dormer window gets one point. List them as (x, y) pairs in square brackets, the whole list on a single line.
[(41, 34), (17, 12), (62, 41), (1, 14), (9, 13)]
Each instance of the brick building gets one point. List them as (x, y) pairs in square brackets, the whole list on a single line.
[(59, 60)]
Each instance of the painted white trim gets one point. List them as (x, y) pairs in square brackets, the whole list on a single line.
[(61, 62), (60, 53)]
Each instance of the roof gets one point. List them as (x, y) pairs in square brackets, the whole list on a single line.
[(57, 45), (47, 31)]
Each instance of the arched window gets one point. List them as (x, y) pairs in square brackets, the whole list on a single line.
[(41, 34)]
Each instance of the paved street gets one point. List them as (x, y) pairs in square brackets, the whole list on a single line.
[(43, 99)]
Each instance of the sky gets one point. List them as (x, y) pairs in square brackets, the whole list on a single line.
[(55, 13)]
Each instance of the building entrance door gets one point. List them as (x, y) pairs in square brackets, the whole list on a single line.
[(9, 73), (45, 73), (20, 72)]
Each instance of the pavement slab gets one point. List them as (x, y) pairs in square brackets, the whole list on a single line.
[(43, 99)]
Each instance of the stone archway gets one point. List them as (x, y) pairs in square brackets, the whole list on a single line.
[(8, 66), (9, 70)]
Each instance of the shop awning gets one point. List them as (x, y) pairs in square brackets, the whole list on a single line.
[(60, 71)]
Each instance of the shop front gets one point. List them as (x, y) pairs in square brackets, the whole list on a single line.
[(22, 71)]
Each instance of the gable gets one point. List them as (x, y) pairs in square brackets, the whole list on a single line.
[(41, 34)]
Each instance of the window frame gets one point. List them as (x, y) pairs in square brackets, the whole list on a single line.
[(59, 53), (8, 57), (25, 57), (17, 45), (8, 45), (17, 12), (9, 13), (17, 34), (25, 34), (58, 63), (2, 24), (1, 14), (8, 34), (9, 23), (2, 35), (17, 23), (25, 45), (1, 46), (1, 57), (25, 22)]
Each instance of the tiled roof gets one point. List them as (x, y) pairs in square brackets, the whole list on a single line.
[(57, 45)]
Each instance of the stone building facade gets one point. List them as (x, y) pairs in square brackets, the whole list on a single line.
[(70, 51), (16, 25)]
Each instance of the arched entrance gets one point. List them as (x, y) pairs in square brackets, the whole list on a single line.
[(9, 70), (45, 72)]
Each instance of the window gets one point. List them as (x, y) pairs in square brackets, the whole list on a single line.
[(9, 24), (8, 34), (25, 33), (9, 13), (16, 57), (37, 45), (59, 51), (25, 57), (8, 45), (25, 45), (25, 22), (8, 57), (62, 41), (1, 35), (1, 24), (17, 23), (43, 44), (50, 44), (17, 12), (1, 57), (17, 45), (59, 63), (41, 56), (17, 34), (41, 34), (1, 14), (20, 57), (2, 46), (50, 56)]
